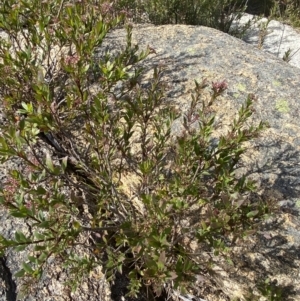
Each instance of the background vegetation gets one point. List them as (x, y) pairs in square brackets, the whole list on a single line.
[(218, 14)]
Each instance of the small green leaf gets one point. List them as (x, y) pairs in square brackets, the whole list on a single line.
[(39, 236), (86, 68), (20, 248), (32, 259), (119, 268), (20, 237), (19, 214), (20, 273), (252, 213), (41, 191), (64, 163), (27, 268), (57, 170), (24, 105), (49, 163), (160, 266), (39, 248), (43, 256)]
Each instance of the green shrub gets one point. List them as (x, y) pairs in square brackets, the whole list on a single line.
[(218, 14), (288, 11), (111, 169)]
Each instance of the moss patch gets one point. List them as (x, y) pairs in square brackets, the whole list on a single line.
[(282, 106)]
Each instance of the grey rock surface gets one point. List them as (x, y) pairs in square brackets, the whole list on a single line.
[(271, 36)]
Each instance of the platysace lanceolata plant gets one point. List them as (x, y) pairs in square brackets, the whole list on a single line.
[(108, 173)]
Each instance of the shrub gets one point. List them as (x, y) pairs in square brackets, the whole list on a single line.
[(218, 14), (287, 11), (103, 162)]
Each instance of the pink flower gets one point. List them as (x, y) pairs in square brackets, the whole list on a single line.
[(71, 60), (219, 87), (106, 8)]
